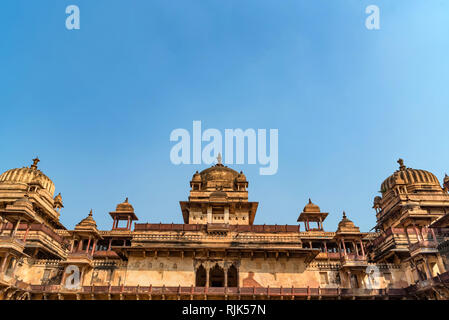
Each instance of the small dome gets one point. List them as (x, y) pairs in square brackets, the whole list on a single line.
[(125, 206), (347, 226), (409, 176), (28, 175), (58, 200), (196, 177), (311, 207), (87, 222), (241, 177), (377, 202)]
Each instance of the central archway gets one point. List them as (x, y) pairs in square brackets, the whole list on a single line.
[(216, 277)]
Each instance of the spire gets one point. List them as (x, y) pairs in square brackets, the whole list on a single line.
[(219, 158), (344, 215), (310, 201), (90, 213), (35, 161), (126, 200), (401, 164)]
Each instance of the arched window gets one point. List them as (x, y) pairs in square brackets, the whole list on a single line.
[(233, 279), (216, 277), (200, 279)]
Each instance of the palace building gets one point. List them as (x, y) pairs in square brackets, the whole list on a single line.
[(220, 251)]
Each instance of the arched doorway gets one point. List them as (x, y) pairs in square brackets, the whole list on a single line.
[(216, 277), (200, 279), (233, 279)]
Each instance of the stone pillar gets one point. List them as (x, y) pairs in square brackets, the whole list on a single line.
[(344, 247), (26, 232), (226, 215), (2, 267), (93, 247), (14, 230), (207, 276), (433, 235), (427, 267), (110, 243), (209, 214), (88, 245), (363, 250), (416, 232), (406, 234), (356, 251)]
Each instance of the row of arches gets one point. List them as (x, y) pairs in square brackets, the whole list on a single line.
[(216, 277)]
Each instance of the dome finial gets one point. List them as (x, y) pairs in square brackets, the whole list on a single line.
[(126, 200), (401, 164), (90, 213), (219, 158), (344, 215), (310, 201), (35, 161)]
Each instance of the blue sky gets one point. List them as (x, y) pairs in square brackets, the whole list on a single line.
[(97, 105)]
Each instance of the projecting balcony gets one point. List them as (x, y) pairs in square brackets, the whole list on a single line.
[(351, 260), (8, 243), (423, 247), (79, 258), (218, 228)]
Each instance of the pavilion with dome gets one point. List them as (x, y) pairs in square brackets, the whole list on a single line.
[(221, 251)]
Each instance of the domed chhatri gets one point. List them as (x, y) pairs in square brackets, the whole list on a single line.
[(446, 183), (312, 213), (311, 207), (123, 212), (196, 177), (87, 222), (347, 226), (28, 175), (414, 179), (125, 206)]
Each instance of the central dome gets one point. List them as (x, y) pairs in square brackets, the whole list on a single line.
[(28, 175), (411, 177), (219, 172)]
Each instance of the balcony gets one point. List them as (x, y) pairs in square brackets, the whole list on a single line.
[(192, 292), (79, 258), (8, 243), (218, 228), (423, 247), (351, 260)]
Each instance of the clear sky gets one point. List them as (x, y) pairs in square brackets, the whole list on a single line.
[(97, 105)]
